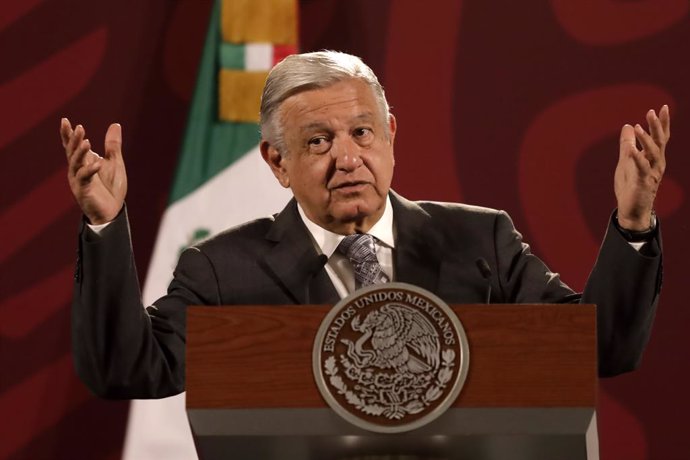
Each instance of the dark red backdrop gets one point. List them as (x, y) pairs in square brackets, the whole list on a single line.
[(507, 104)]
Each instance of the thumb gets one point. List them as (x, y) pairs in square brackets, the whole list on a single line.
[(113, 141), (627, 140)]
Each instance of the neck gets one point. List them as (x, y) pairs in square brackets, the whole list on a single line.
[(358, 224), (361, 225)]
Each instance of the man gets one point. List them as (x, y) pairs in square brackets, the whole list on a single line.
[(328, 135)]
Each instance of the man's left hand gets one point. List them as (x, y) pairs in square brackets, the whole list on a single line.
[(639, 171)]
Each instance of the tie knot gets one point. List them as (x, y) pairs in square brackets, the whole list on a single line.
[(358, 247)]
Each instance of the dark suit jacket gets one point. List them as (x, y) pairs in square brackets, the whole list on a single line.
[(122, 350)]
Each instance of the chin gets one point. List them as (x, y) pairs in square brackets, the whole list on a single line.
[(355, 211)]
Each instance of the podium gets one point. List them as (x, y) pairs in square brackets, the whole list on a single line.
[(530, 392)]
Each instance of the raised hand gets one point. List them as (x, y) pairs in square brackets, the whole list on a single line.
[(639, 171), (99, 184)]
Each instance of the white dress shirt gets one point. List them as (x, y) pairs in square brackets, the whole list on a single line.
[(338, 267)]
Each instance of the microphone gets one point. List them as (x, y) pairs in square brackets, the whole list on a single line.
[(314, 265), (318, 263), (485, 271)]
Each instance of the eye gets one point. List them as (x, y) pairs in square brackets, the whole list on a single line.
[(363, 134), (319, 144)]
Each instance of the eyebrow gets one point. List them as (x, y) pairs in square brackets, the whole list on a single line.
[(366, 116)]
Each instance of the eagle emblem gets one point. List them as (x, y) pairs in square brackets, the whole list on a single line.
[(401, 338), (390, 357)]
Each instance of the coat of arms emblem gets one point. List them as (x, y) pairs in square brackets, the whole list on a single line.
[(390, 357)]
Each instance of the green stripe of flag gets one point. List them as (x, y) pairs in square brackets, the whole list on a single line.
[(231, 56), (209, 145)]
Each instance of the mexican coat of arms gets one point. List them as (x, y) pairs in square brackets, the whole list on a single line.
[(390, 358)]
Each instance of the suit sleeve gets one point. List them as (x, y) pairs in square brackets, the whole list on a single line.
[(624, 284), (122, 350), (523, 277)]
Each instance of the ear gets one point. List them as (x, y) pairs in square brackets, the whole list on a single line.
[(392, 127), (275, 161)]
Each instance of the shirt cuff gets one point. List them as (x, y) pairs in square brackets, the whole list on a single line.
[(98, 228), (637, 245)]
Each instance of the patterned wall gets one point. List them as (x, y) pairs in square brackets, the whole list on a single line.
[(506, 104)]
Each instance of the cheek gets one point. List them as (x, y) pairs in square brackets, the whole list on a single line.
[(382, 168), (311, 177)]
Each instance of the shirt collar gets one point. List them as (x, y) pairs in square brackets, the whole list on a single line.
[(327, 242)]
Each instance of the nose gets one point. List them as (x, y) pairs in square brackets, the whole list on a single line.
[(347, 155)]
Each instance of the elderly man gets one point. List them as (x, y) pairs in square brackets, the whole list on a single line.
[(328, 135)]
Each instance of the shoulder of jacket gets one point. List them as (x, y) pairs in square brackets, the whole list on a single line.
[(245, 233), (460, 209)]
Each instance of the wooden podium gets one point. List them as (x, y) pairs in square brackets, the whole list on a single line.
[(530, 392)]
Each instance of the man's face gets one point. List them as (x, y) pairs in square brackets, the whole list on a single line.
[(339, 155)]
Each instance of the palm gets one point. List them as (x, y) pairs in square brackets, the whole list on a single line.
[(99, 184), (105, 193), (635, 190), (639, 171)]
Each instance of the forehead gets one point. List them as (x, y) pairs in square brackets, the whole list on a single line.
[(343, 101)]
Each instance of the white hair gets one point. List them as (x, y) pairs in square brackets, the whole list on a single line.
[(303, 72)]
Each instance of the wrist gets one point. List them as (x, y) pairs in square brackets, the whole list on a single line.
[(634, 232)]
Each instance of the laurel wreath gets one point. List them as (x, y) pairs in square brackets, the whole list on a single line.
[(394, 411)]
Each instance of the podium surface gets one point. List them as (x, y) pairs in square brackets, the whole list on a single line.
[(530, 391)]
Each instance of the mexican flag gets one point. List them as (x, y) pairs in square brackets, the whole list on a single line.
[(220, 181)]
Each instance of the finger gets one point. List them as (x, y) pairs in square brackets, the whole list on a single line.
[(653, 154), (91, 157), (86, 172), (113, 141), (627, 141), (65, 131), (665, 120), (74, 140), (655, 129), (77, 159), (648, 145), (641, 162), (629, 151)]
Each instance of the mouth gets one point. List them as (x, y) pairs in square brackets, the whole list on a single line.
[(349, 187)]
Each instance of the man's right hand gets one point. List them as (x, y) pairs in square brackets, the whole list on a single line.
[(99, 184)]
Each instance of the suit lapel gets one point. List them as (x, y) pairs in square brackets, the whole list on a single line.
[(418, 251), (294, 263), (298, 269)]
